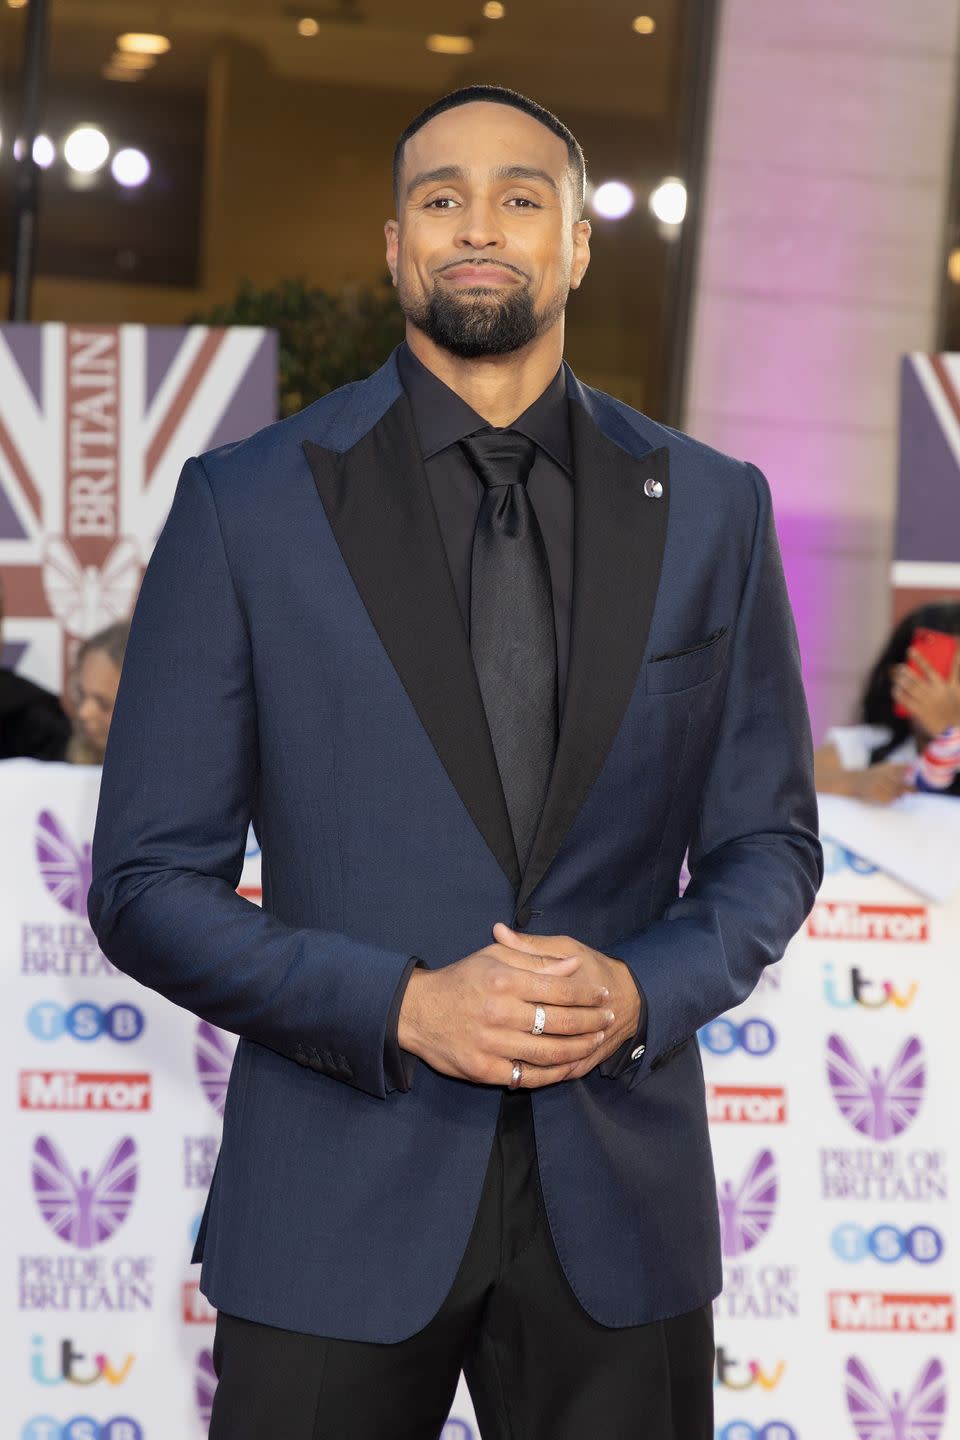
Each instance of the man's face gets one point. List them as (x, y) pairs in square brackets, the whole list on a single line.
[(487, 245)]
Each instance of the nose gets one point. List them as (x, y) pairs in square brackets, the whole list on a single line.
[(480, 227)]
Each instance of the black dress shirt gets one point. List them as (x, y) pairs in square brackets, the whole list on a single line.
[(441, 418)]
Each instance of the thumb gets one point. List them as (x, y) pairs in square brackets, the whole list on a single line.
[(533, 956), (516, 938)]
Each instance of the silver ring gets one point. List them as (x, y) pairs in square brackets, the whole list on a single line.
[(539, 1020), (517, 1076)]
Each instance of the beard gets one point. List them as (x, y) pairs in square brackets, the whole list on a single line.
[(481, 322)]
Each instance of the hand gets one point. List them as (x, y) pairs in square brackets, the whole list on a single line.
[(930, 699), (879, 784), (473, 1018), (613, 974)]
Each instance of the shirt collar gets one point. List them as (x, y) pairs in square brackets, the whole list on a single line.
[(441, 417)]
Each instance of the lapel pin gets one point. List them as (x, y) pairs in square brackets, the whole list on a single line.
[(653, 489)]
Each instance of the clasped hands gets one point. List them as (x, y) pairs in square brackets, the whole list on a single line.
[(474, 1018)]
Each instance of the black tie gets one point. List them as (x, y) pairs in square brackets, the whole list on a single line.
[(513, 635)]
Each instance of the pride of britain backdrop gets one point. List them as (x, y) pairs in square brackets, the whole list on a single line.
[(832, 1095), (95, 424)]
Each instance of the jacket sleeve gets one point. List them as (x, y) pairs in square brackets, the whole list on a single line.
[(754, 858), (178, 791)]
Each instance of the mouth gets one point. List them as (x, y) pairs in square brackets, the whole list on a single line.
[(473, 274)]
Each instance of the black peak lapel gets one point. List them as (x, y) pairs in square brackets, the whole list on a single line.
[(381, 513), (619, 535)]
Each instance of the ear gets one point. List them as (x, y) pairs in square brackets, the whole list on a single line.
[(392, 232), (581, 252)]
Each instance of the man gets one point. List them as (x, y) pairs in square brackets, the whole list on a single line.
[(482, 652)]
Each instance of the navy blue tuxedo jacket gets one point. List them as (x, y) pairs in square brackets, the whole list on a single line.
[(297, 657)]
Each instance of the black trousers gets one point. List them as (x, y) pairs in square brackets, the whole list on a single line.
[(537, 1365)]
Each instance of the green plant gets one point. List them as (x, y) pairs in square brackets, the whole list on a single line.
[(326, 338)]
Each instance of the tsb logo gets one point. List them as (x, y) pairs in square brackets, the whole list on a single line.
[(743, 1430), (723, 1036), (887, 1243), (81, 1427), (85, 1021)]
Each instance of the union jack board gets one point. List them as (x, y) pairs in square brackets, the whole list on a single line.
[(926, 562), (95, 424)]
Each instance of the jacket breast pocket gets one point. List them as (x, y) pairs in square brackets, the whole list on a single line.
[(683, 669)]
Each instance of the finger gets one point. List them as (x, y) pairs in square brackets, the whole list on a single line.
[(539, 964), (555, 945), (536, 1076), (558, 1020), (923, 664), (908, 682), (550, 1050), (541, 988)]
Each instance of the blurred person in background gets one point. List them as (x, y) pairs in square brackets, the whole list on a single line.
[(886, 754), (96, 677), (33, 723)]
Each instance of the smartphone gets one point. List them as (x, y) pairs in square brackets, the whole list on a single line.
[(937, 648)]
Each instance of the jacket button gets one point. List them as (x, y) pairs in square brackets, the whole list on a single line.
[(522, 918)]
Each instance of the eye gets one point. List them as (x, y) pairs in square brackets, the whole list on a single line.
[(523, 202), (440, 202)]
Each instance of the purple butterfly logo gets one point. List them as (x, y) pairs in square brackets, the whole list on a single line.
[(747, 1211), (877, 1105), (66, 870), (204, 1385), (81, 1211), (878, 1416), (214, 1056)]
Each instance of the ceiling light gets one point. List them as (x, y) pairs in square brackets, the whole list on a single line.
[(143, 44), (130, 167), (129, 60), (493, 10), (450, 44), (644, 25), (669, 201), (86, 149), (953, 265), (17, 4), (43, 152), (308, 27), (613, 199)]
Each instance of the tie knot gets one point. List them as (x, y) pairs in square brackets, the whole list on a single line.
[(500, 457)]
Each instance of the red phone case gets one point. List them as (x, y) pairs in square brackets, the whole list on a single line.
[(938, 649)]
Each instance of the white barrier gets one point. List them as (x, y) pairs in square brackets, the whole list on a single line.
[(831, 1093)]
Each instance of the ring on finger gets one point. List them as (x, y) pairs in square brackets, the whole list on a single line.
[(539, 1021), (516, 1079)]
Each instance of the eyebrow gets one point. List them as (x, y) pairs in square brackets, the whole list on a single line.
[(502, 172)]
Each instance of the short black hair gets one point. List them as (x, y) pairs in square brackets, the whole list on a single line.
[(497, 95)]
